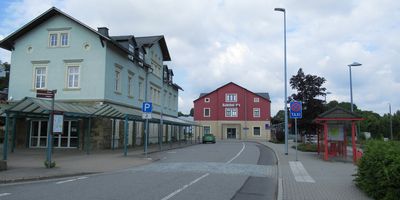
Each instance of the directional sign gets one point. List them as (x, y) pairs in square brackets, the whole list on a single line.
[(296, 110), (45, 93), (147, 107)]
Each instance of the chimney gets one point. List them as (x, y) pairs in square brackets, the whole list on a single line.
[(103, 31)]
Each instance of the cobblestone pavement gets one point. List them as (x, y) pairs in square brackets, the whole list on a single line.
[(333, 179)]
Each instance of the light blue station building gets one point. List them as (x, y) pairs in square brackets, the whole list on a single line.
[(101, 82)]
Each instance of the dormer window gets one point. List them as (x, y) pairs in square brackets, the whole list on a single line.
[(130, 48), (141, 58)]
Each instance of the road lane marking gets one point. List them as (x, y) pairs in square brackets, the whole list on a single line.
[(300, 173), (201, 177), (71, 180), (185, 186), (238, 154), (4, 194)]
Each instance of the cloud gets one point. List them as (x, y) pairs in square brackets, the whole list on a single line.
[(215, 42)]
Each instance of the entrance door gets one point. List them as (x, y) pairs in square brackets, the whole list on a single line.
[(231, 133)]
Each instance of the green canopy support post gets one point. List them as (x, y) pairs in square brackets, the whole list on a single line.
[(5, 143), (113, 134), (87, 140), (49, 140), (134, 130), (179, 135), (126, 136), (14, 134)]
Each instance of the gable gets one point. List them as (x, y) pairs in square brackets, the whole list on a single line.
[(232, 84), (9, 41)]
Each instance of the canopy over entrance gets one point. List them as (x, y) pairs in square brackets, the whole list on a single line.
[(336, 123)]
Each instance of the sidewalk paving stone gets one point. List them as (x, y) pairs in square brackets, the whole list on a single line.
[(333, 179)]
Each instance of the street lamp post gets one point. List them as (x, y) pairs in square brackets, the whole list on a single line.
[(354, 64), (285, 73), (326, 95), (391, 123)]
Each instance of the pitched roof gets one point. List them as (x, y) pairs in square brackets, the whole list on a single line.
[(263, 95), (338, 114), (8, 42), (148, 41)]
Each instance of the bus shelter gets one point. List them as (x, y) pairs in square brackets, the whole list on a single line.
[(336, 125)]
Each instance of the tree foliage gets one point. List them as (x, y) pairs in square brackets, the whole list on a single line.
[(4, 80), (308, 88)]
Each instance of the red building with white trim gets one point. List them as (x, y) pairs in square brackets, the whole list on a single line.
[(233, 112)]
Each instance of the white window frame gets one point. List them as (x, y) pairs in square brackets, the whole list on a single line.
[(230, 97), (256, 99), (141, 88), (209, 129), (58, 39), (204, 112), (207, 100), (68, 74), (35, 67), (117, 80), (62, 41), (130, 85), (255, 111), (259, 131), (231, 112)]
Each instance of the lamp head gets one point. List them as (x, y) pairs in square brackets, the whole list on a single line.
[(354, 64), (280, 9)]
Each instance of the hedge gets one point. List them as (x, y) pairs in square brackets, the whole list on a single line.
[(378, 172)]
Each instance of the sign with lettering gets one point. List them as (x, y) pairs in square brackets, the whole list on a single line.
[(45, 93), (296, 110), (230, 105)]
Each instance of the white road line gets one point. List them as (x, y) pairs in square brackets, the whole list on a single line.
[(201, 177), (71, 180), (185, 186), (238, 154), (4, 194), (300, 173)]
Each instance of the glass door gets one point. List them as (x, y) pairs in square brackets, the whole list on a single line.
[(231, 133)]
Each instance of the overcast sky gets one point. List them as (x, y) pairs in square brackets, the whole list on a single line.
[(213, 42)]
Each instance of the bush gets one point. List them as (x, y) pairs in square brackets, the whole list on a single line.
[(378, 172), (52, 164)]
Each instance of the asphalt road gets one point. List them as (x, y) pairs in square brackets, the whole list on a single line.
[(225, 170)]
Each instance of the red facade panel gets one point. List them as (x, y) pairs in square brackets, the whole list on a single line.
[(238, 106)]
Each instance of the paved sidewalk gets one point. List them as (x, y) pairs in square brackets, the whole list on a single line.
[(326, 179), (28, 164)]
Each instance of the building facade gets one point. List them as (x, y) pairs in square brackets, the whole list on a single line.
[(90, 68), (233, 112)]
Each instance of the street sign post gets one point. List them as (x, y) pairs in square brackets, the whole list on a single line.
[(147, 108), (50, 129), (296, 112)]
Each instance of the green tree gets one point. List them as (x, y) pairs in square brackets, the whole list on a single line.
[(278, 118), (191, 112), (308, 88), (4, 80)]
